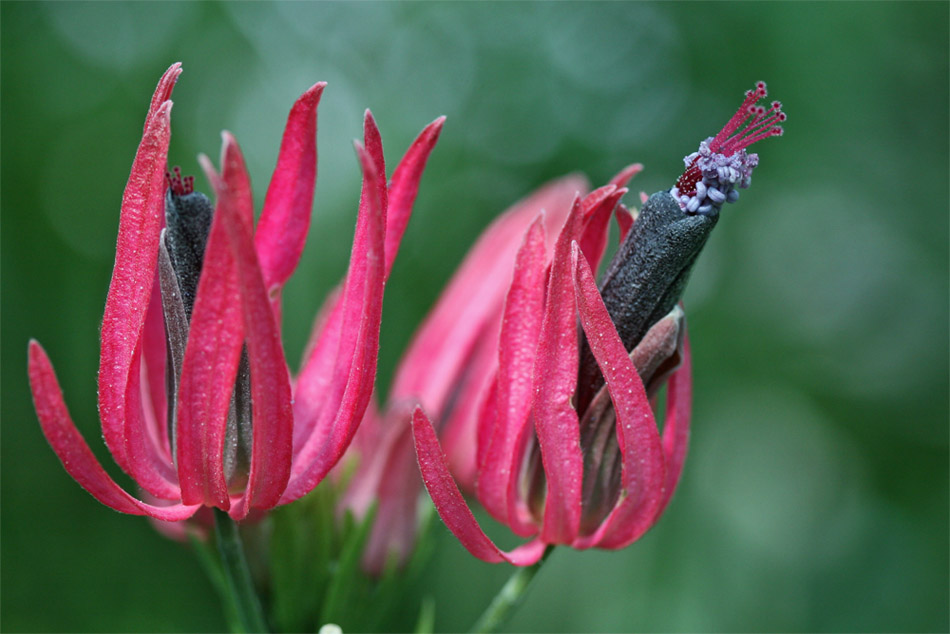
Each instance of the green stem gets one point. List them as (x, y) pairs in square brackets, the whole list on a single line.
[(509, 597), (238, 575)]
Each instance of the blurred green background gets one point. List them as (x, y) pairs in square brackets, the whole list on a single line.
[(816, 492)]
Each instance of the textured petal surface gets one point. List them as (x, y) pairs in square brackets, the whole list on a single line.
[(452, 507), (430, 369), (644, 471), (679, 402), (73, 451), (624, 220), (338, 406), (209, 368), (272, 445), (153, 360), (555, 419), (133, 276), (151, 466), (514, 387), (285, 219), (596, 209), (405, 185)]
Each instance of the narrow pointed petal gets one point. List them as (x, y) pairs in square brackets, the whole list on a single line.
[(72, 450), (624, 221), (624, 176), (514, 386), (452, 507), (405, 186), (151, 466), (555, 419), (272, 445), (392, 480), (458, 428), (644, 471), (140, 223), (285, 219), (373, 144), (679, 397), (153, 360), (340, 404), (430, 369), (163, 91), (209, 368), (596, 209)]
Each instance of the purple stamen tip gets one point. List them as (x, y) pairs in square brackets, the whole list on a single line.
[(722, 164)]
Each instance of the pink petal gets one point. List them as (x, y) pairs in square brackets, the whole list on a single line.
[(272, 444), (596, 209), (396, 491), (643, 464), (451, 505), (679, 398), (354, 371), (73, 451), (209, 368), (140, 223), (514, 386), (442, 346), (153, 358), (150, 463), (458, 428), (405, 185), (373, 143), (312, 409), (624, 176), (285, 219), (624, 220), (555, 419), (163, 91)]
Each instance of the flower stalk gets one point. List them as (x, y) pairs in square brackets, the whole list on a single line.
[(511, 595), (239, 584)]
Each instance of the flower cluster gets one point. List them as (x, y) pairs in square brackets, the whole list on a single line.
[(196, 401), (529, 385)]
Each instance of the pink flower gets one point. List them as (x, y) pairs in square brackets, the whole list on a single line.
[(447, 368), (567, 448), (223, 425)]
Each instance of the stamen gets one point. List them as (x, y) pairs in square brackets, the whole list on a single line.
[(721, 165), (180, 186)]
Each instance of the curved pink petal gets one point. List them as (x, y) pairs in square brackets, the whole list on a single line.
[(644, 470), (458, 428), (430, 369), (373, 145), (163, 91), (596, 208), (555, 420), (272, 444), (347, 395), (624, 220), (73, 451), (209, 368), (405, 185), (514, 385), (285, 219), (679, 402), (623, 176), (151, 465), (153, 359), (452, 507), (396, 492), (140, 223)]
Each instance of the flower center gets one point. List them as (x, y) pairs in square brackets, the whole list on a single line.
[(188, 216)]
